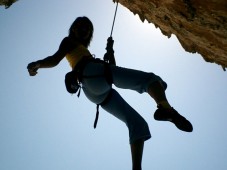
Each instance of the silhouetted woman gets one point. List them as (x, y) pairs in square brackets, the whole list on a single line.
[(97, 78)]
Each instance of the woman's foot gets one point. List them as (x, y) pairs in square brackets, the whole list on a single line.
[(163, 114)]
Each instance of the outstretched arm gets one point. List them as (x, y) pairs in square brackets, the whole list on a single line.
[(53, 60)]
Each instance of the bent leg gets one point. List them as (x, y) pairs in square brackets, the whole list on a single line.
[(134, 79), (137, 126), (141, 82), (157, 92), (152, 84)]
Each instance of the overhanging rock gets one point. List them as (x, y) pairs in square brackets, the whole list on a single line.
[(7, 3), (199, 25)]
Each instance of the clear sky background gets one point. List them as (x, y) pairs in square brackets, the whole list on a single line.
[(42, 127)]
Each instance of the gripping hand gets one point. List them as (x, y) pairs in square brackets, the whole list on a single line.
[(32, 68), (109, 50)]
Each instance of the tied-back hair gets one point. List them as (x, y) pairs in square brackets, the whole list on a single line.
[(87, 41)]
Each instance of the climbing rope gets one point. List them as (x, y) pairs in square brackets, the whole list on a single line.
[(110, 41), (106, 58), (114, 19)]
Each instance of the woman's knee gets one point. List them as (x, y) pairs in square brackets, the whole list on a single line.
[(155, 81), (139, 130)]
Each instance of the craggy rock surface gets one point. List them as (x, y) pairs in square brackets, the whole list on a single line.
[(7, 3), (199, 25)]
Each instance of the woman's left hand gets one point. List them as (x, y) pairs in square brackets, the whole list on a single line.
[(32, 68)]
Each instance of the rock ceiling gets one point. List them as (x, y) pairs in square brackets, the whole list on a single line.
[(199, 25)]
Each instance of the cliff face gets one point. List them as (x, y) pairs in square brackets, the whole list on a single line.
[(7, 3), (200, 26)]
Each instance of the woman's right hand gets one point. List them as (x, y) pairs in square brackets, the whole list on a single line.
[(32, 68)]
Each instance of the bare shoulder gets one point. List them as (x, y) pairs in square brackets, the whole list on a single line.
[(68, 44)]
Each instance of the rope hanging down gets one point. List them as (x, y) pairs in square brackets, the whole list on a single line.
[(110, 41), (114, 19), (109, 53)]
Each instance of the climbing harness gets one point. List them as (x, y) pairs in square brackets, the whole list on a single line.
[(106, 58), (73, 79)]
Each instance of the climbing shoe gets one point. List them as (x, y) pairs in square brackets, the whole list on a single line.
[(163, 114)]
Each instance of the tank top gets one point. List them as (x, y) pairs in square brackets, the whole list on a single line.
[(77, 54)]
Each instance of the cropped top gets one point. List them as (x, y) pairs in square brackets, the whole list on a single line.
[(77, 54)]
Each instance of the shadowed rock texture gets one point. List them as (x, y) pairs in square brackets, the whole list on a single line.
[(199, 25), (7, 3)]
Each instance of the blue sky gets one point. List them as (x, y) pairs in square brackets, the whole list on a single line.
[(42, 127)]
